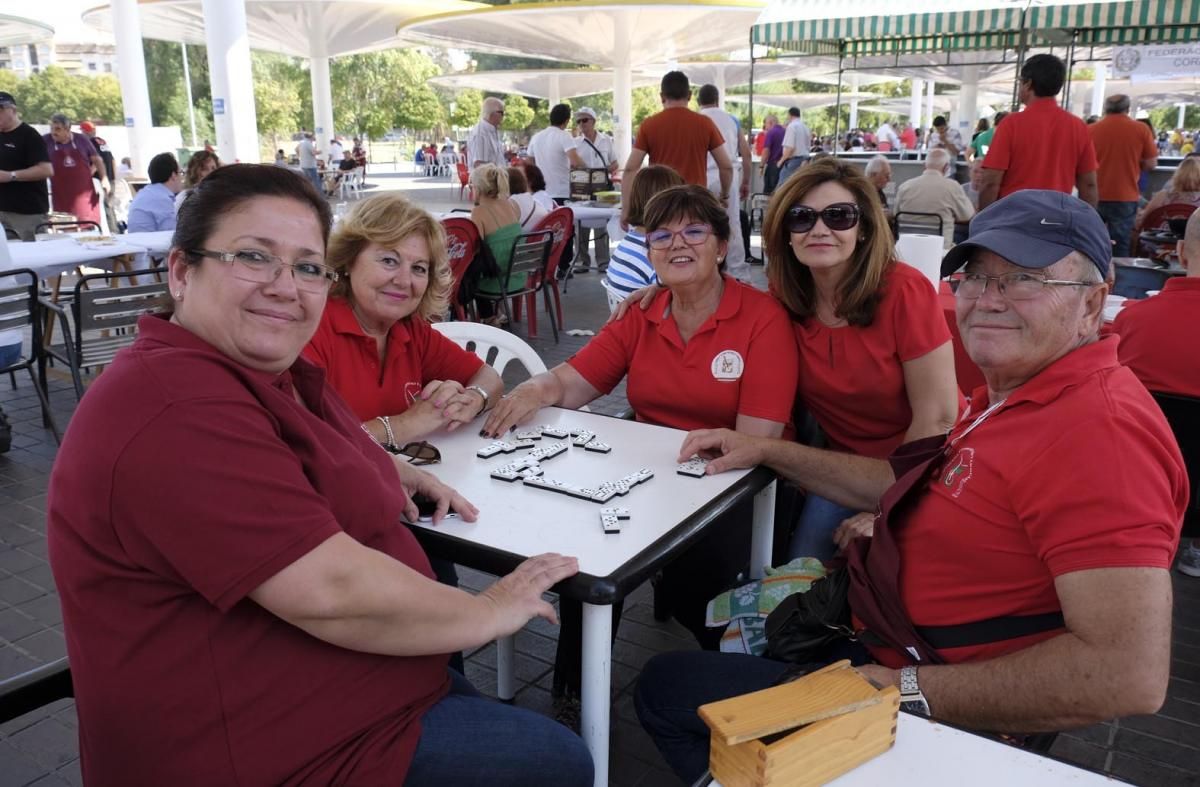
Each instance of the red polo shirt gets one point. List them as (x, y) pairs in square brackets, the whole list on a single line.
[(416, 356), (1043, 147), (1158, 337), (742, 361), (853, 381), (681, 139), (184, 483), (1077, 470), (1121, 144)]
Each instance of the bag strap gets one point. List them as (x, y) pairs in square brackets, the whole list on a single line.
[(603, 161), (980, 632)]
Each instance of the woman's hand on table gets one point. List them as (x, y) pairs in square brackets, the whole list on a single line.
[(456, 404), (724, 448), (643, 298), (448, 499), (517, 597), (858, 526), (515, 408)]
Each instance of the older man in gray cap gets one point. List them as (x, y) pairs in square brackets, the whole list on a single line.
[(1021, 562)]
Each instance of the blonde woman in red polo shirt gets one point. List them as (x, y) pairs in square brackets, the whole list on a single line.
[(256, 615), (402, 379), (877, 365)]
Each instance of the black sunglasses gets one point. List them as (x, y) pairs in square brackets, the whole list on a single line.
[(419, 453), (838, 216)]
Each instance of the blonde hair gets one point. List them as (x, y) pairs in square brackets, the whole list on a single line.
[(1186, 177), (791, 280), (488, 180), (389, 220)]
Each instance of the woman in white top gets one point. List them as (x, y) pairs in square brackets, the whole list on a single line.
[(537, 187), (531, 212)]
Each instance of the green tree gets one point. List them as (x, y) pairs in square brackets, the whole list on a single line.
[(164, 78), (377, 91), (52, 90), (9, 82), (518, 115), (279, 82), (467, 105)]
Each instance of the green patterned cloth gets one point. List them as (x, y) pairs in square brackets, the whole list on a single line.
[(744, 610)]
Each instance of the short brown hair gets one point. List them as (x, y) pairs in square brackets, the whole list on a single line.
[(791, 280), (516, 181), (646, 183), (686, 202), (388, 220)]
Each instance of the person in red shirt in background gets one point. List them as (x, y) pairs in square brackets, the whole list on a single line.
[(1010, 572), (1158, 342), (1043, 147), (1125, 149)]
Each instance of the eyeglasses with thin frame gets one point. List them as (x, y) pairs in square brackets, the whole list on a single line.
[(692, 234), (262, 268), (1015, 286), (838, 216)]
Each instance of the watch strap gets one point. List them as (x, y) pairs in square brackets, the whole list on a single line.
[(479, 390)]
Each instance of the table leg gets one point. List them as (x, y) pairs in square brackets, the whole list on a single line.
[(505, 682), (597, 685), (762, 535)]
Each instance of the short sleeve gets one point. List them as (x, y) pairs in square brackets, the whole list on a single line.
[(222, 528), (1065, 498), (605, 360), (1087, 151), (715, 140), (442, 359), (919, 324), (768, 385), (85, 146), (37, 148), (999, 155)]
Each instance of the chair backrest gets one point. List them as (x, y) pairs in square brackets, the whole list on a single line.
[(1183, 414), (19, 302), (1157, 219), (462, 244), (55, 227), (909, 222), (482, 339), (560, 222), (100, 308), (530, 255), (31, 690)]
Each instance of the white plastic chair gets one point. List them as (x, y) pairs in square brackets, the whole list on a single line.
[(508, 348)]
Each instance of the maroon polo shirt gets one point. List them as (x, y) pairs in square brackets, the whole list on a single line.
[(185, 481)]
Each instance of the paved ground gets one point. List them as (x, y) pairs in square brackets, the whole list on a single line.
[(40, 748)]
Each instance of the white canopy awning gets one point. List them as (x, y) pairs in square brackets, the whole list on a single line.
[(540, 83), (17, 30), (801, 100)]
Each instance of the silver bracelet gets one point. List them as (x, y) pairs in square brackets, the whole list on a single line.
[(387, 428), (479, 390)]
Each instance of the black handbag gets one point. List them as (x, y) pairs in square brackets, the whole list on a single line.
[(805, 623)]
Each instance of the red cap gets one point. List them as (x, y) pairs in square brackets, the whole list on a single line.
[(87, 127)]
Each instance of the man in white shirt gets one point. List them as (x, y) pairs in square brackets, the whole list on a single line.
[(596, 151), (552, 150), (735, 144), (933, 192), (483, 140), (306, 152), (336, 152), (797, 140), (886, 138), (946, 138)]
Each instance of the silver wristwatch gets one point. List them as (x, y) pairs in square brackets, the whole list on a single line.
[(911, 698), (479, 390)]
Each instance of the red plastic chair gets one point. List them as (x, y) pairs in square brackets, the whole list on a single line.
[(462, 244), (561, 222), (464, 181), (1158, 219)]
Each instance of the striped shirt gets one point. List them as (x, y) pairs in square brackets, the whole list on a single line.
[(630, 268)]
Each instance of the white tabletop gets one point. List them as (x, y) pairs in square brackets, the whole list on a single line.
[(153, 242), (51, 257), (592, 216), (928, 754), (525, 521)]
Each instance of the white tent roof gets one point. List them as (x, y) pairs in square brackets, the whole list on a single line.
[(790, 10), (300, 28), (736, 72), (800, 100), (538, 83), (602, 34), (17, 30)]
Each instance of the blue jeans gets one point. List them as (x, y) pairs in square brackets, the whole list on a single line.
[(790, 166), (313, 175), (813, 536), (1118, 217), (467, 738)]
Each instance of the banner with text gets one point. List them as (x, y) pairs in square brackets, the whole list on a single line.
[(1144, 63)]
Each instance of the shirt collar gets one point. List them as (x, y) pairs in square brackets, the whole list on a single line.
[(1068, 371), (1182, 284), (343, 321), (731, 302), (1043, 102)]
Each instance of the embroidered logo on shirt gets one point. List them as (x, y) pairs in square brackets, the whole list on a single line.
[(728, 366), (959, 472)]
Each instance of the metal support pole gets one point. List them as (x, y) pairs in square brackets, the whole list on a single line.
[(187, 86), (837, 110), (1066, 99)]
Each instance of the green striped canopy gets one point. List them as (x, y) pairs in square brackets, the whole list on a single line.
[(1126, 22)]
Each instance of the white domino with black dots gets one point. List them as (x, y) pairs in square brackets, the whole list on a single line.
[(694, 467), (611, 518)]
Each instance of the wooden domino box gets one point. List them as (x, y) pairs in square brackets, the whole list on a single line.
[(802, 733)]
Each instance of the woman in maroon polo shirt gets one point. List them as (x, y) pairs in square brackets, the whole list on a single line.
[(240, 603), (402, 379)]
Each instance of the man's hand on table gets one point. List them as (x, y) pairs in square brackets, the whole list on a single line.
[(516, 407), (858, 526), (725, 448), (643, 298), (447, 498), (517, 597)]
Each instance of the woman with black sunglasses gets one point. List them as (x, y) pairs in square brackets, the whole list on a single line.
[(877, 365)]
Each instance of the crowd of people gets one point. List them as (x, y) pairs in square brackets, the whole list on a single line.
[(1004, 552)]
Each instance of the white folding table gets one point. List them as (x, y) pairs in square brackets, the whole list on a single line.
[(669, 513)]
